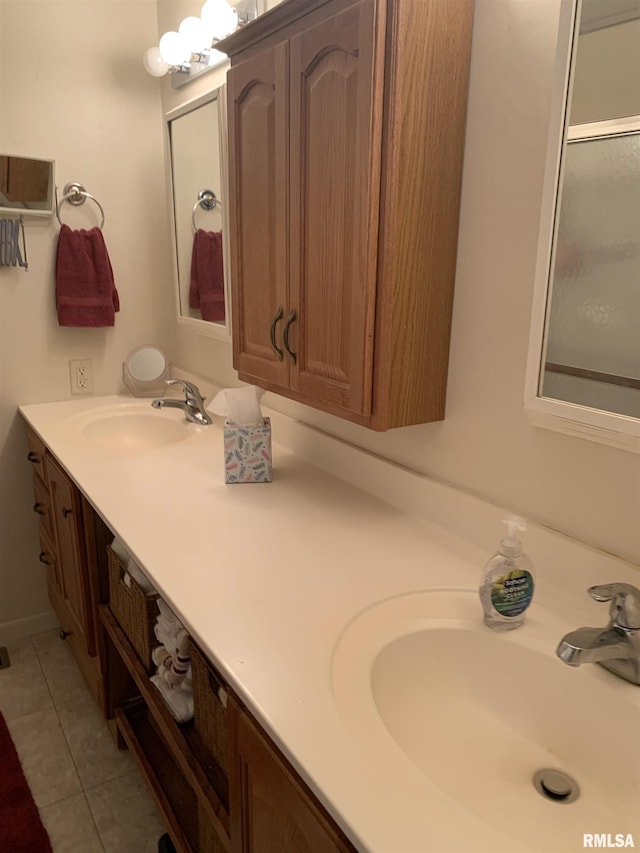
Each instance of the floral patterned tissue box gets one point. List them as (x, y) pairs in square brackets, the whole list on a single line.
[(247, 453)]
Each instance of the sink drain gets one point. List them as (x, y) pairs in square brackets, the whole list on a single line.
[(556, 785)]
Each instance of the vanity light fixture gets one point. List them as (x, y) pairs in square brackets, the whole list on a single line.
[(190, 51)]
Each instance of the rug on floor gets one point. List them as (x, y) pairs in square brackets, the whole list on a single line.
[(21, 830)]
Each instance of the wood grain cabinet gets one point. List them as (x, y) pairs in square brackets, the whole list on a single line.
[(68, 529), (271, 807), (346, 134)]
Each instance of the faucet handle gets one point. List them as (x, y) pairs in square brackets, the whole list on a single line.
[(625, 603), (190, 390)]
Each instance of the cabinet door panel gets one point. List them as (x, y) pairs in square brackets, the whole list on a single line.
[(336, 102), (270, 810), (65, 501), (257, 102)]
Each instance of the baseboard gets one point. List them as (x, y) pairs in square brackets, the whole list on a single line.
[(19, 628)]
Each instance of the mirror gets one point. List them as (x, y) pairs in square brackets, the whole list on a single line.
[(26, 186), (196, 137), (585, 350), (145, 371)]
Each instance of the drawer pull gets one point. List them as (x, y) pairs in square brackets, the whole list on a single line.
[(45, 558), (64, 634), (66, 511), (39, 508), (33, 457)]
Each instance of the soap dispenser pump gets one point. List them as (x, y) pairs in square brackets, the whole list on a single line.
[(507, 581)]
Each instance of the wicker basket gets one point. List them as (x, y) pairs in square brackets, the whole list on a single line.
[(210, 717), (135, 610)]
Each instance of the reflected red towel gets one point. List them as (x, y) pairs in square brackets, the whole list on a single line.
[(86, 294), (206, 289)]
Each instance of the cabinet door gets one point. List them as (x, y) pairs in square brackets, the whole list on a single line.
[(336, 116), (270, 810), (67, 519), (258, 187)]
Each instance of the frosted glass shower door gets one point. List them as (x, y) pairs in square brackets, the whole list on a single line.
[(593, 323)]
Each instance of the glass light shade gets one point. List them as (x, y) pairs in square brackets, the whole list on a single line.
[(194, 34), (173, 49), (154, 63), (219, 17)]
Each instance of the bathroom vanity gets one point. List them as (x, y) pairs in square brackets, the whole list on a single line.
[(345, 661), (235, 793)]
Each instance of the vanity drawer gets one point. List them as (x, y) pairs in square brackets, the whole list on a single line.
[(42, 506), (135, 610), (36, 455)]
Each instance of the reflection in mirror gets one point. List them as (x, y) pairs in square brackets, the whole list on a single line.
[(591, 350), (26, 186), (197, 170), (145, 371)]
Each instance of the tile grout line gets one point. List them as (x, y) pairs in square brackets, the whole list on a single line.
[(68, 745)]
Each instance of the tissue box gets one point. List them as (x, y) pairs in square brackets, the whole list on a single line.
[(247, 452)]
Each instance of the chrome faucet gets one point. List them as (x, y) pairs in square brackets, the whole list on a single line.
[(192, 405), (616, 647)]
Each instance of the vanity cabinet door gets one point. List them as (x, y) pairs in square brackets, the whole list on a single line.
[(335, 105), (271, 808), (258, 187), (67, 519)]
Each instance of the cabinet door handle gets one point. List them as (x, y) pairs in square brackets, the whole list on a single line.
[(285, 335), (39, 508), (64, 634), (278, 316), (45, 558), (66, 511), (32, 456)]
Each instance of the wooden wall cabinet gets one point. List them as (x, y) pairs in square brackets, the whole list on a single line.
[(346, 135), (68, 528)]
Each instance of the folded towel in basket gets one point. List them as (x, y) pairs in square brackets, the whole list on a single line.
[(86, 294), (206, 290), (178, 701)]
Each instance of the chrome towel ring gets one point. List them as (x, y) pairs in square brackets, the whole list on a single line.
[(207, 200), (76, 194)]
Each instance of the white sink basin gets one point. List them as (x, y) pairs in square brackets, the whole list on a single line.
[(477, 713), (134, 426)]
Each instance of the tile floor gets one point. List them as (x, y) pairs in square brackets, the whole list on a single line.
[(90, 794)]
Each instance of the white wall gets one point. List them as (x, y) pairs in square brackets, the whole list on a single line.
[(486, 445), (73, 89)]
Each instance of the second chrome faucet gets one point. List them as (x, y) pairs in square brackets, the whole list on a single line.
[(615, 647)]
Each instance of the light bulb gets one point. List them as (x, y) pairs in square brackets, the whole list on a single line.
[(194, 34), (173, 49), (154, 63), (219, 17)]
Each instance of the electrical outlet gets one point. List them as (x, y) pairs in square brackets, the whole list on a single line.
[(81, 376)]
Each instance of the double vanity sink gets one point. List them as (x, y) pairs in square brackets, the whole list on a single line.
[(355, 635)]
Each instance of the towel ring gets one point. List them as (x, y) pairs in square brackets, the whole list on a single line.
[(76, 194), (207, 199)]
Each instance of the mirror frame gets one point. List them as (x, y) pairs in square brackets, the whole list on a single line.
[(597, 425), (221, 332)]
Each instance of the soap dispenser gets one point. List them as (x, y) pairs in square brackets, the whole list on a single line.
[(507, 581)]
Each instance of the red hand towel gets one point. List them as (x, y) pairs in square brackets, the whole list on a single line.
[(86, 294), (206, 290)]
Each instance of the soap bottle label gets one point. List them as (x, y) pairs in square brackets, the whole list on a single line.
[(511, 594)]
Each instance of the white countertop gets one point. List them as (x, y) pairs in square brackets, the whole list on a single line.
[(267, 576)]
